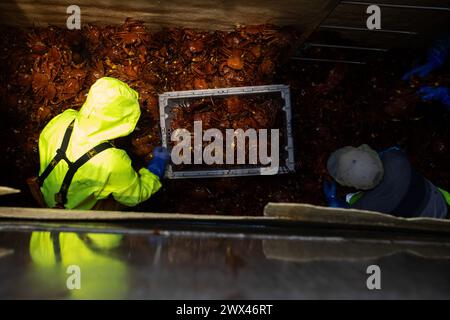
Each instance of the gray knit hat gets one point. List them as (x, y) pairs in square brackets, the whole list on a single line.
[(360, 167)]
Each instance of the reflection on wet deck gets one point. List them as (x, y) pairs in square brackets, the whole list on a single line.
[(159, 264)]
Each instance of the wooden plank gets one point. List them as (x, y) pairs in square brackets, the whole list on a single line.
[(7, 190), (285, 213), (351, 217), (202, 14), (43, 214), (307, 250)]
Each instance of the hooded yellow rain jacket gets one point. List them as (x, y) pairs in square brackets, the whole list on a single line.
[(111, 111)]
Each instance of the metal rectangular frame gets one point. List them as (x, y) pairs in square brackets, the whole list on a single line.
[(164, 109)]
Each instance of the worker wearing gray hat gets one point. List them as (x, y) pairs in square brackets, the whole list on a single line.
[(389, 183)]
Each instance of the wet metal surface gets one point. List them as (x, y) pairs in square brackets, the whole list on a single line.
[(161, 263)]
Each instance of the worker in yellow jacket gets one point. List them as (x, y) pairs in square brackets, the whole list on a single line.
[(78, 164)]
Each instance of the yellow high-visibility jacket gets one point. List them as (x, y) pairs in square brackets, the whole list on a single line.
[(111, 111)]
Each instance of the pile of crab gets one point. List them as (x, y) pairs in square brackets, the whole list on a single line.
[(234, 112), (47, 70)]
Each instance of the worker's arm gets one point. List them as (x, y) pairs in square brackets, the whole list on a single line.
[(435, 59), (158, 164), (329, 190), (128, 186)]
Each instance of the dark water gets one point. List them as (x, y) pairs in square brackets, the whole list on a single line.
[(162, 264)]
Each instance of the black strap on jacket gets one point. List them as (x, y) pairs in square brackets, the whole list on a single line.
[(60, 154), (61, 196)]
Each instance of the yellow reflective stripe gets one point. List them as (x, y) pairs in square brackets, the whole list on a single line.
[(354, 197), (446, 195)]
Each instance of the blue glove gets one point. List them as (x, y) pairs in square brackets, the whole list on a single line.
[(329, 189), (158, 164), (436, 58), (440, 94)]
